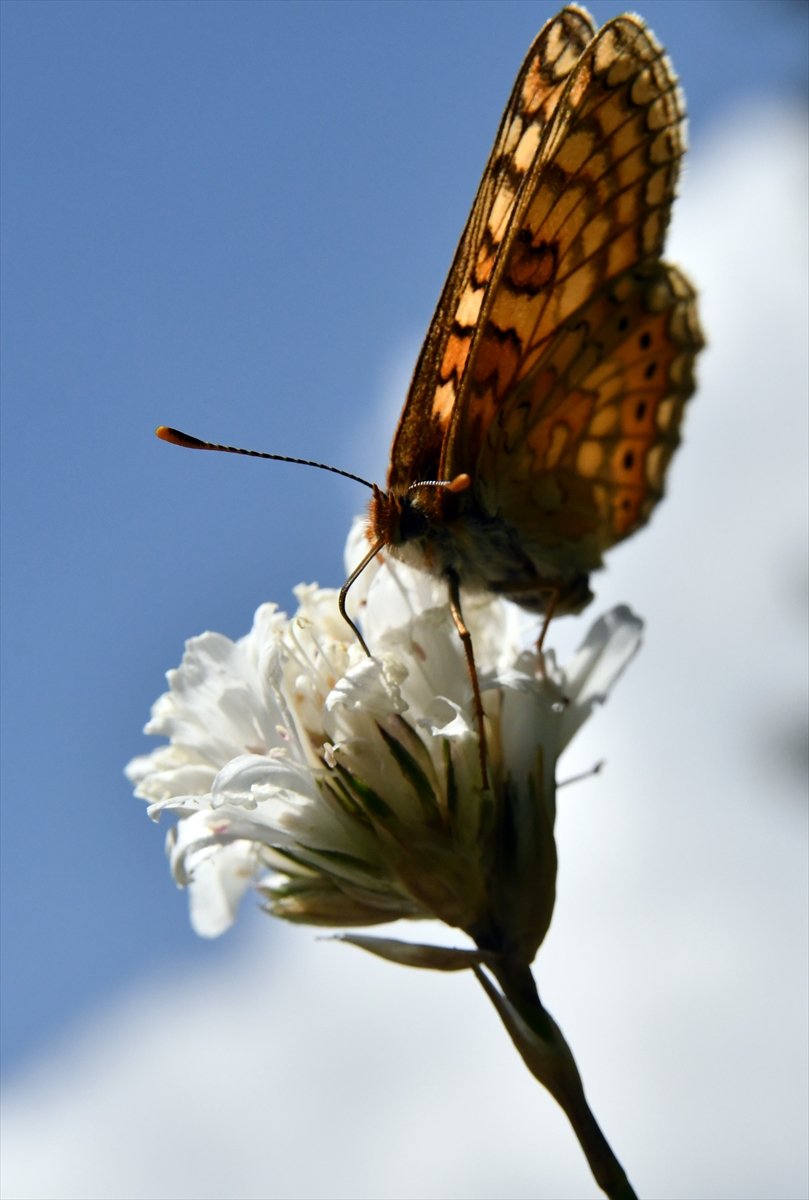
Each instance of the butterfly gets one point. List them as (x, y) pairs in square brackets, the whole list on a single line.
[(547, 399)]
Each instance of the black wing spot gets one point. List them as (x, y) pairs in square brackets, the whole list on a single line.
[(531, 268), (629, 460), (650, 371), (640, 410), (645, 340)]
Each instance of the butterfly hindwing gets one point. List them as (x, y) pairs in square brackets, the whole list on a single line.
[(576, 457)]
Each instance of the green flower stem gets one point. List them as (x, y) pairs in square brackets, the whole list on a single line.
[(548, 1057)]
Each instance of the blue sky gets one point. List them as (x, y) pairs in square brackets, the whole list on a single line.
[(233, 218)]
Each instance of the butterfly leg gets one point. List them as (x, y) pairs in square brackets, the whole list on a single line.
[(553, 600), (466, 641), (528, 594), (531, 594)]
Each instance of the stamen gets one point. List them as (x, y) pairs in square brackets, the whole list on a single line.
[(594, 770)]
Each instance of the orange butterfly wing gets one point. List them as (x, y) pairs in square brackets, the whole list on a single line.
[(575, 458), (420, 437), (595, 202), (551, 385)]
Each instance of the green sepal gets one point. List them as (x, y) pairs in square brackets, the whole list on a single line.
[(415, 954)]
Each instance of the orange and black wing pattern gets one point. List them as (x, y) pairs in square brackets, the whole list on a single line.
[(549, 393), (432, 402), (595, 202), (576, 456), (560, 358)]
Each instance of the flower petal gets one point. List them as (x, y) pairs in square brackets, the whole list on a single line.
[(602, 657)]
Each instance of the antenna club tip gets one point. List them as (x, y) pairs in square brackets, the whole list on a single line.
[(177, 438), (461, 483)]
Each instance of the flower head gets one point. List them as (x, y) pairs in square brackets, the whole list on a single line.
[(347, 789)]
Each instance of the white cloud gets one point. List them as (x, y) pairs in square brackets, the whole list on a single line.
[(677, 960)]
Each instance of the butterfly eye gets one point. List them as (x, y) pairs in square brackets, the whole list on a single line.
[(413, 522)]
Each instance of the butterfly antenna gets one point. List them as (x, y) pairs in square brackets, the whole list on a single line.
[(461, 483), (177, 438)]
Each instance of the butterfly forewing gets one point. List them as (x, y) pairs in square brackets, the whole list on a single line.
[(431, 402), (595, 201)]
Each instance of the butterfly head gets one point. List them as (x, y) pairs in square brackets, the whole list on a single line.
[(398, 517)]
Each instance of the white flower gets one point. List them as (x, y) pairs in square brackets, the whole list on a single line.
[(348, 789)]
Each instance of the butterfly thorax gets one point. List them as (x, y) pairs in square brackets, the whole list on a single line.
[(443, 532)]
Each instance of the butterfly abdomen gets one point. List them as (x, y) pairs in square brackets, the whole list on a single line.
[(452, 534)]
